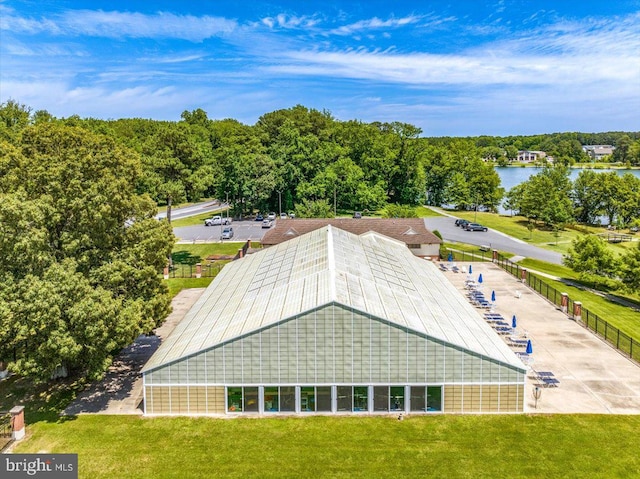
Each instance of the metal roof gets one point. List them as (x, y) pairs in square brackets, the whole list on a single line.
[(370, 273)]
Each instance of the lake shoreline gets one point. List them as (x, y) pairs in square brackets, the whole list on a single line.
[(576, 167)]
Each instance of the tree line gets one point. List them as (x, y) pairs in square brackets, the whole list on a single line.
[(305, 161)]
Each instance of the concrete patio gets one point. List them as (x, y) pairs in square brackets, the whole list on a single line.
[(594, 377)]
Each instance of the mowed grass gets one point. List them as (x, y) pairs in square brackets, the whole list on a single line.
[(541, 236), (522, 446), (188, 253)]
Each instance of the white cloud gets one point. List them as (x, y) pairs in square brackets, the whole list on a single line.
[(375, 23), (561, 54), (114, 24), (285, 21)]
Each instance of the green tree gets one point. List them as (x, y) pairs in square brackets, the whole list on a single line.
[(399, 211), (314, 209), (178, 167), (81, 252), (590, 256), (587, 196), (630, 269), (14, 117)]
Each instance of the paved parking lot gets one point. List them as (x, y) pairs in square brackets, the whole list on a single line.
[(242, 231), (594, 377)]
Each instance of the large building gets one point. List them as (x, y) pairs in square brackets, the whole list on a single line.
[(332, 322), (411, 231)]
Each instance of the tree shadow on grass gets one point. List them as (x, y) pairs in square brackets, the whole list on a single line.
[(185, 257)]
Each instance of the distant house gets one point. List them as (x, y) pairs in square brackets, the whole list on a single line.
[(598, 152), (530, 156), (411, 231)]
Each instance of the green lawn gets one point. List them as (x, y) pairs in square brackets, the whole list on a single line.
[(424, 212), (178, 284), (188, 253), (522, 446)]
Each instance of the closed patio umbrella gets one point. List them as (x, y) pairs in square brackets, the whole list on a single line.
[(480, 278), (470, 270), (514, 322), (529, 347), (450, 257), (493, 296)]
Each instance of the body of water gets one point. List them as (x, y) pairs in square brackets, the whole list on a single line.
[(512, 176)]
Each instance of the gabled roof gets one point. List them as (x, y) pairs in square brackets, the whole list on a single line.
[(369, 273), (407, 230)]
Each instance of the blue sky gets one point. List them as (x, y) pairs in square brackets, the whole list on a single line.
[(451, 68)]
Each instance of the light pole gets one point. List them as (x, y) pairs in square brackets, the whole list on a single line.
[(475, 216), (227, 204), (279, 202)]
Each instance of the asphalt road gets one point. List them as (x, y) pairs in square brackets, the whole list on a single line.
[(192, 210), (494, 239)]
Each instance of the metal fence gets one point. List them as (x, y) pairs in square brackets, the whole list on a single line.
[(189, 270), (447, 254), (5, 429), (618, 339)]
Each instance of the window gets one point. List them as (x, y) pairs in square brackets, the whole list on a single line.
[(323, 399), (381, 398), (251, 399), (271, 399), (418, 399), (287, 399), (345, 398), (234, 399), (396, 394), (307, 399), (434, 398), (360, 398)]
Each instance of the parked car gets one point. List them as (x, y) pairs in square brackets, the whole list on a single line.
[(284, 216), (476, 227), (357, 215), (217, 220), (271, 216), (227, 233), (259, 217), (267, 223), (292, 215), (462, 223)]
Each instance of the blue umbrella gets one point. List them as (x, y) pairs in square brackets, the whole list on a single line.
[(450, 258), (529, 347), (493, 296), (470, 270), (513, 322), (480, 278)]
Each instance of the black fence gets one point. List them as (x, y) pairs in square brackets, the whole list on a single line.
[(190, 270), (621, 341), (5, 429), (456, 255)]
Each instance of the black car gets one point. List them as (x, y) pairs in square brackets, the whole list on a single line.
[(476, 227), (462, 223)]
